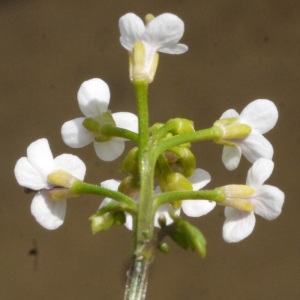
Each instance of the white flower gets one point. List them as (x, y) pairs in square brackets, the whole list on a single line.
[(93, 99), (161, 34), (261, 115), (192, 208), (267, 202), (32, 172)]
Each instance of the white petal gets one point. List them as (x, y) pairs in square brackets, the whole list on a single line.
[(49, 214), (28, 176), (164, 211), (111, 184), (230, 113), (197, 208), (132, 29), (174, 49), (238, 225), (40, 156), (126, 120), (75, 135), (268, 202), (93, 97), (71, 164), (129, 221), (260, 171), (199, 179), (164, 30), (255, 146), (260, 114), (109, 151), (231, 157)]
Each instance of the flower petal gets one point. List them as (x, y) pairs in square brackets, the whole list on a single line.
[(197, 208), (255, 146), (47, 213), (111, 184), (174, 49), (268, 202), (238, 225), (231, 157), (93, 97), (72, 164), (259, 172), (40, 156), (260, 114), (111, 150), (164, 211), (126, 120), (230, 113), (164, 31), (28, 176), (132, 29), (75, 135), (199, 179)]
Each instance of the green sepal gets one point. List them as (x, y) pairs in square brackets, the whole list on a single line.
[(95, 126)]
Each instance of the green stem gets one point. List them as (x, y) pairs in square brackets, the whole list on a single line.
[(212, 133), (79, 187), (215, 195), (143, 253), (119, 132)]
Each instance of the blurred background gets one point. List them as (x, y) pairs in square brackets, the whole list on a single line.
[(239, 51)]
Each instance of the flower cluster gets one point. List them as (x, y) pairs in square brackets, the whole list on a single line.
[(52, 178)]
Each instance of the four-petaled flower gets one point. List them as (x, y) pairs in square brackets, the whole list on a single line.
[(192, 208), (261, 115), (32, 172), (267, 202), (93, 99), (161, 34)]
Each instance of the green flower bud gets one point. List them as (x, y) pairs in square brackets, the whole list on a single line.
[(164, 247), (186, 161), (130, 187), (102, 222), (188, 236), (174, 182), (130, 162), (180, 126)]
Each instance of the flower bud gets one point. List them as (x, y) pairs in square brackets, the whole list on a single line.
[(172, 182), (181, 126), (130, 187), (130, 162), (186, 161)]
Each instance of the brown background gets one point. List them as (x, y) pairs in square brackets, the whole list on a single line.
[(239, 51)]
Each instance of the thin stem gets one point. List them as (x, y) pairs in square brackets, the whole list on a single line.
[(79, 187), (215, 195), (119, 132), (201, 135), (143, 253)]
